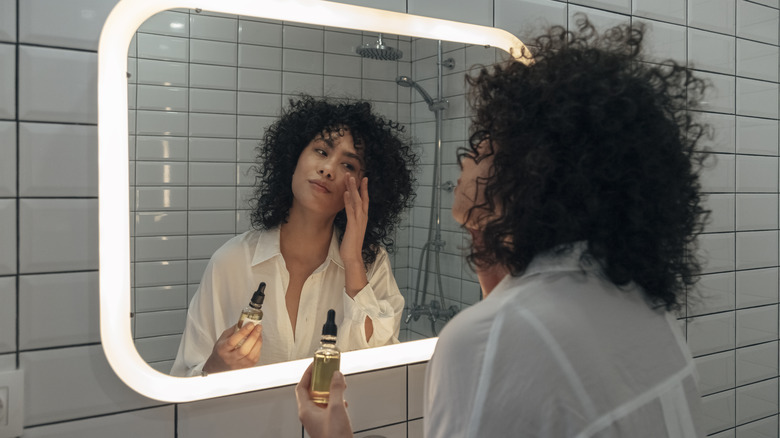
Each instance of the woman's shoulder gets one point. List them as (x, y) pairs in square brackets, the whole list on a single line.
[(238, 248), (471, 325)]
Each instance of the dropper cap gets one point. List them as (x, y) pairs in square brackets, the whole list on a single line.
[(330, 329), (259, 296)]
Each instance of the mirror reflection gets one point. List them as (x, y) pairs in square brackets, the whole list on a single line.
[(203, 89)]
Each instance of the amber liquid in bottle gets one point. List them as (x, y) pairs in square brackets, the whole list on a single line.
[(326, 361), (250, 315), (253, 313)]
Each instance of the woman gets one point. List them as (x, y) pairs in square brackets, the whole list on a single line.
[(317, 243), (581, 194)]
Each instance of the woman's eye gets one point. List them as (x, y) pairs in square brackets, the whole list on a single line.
[(321, 152), (349, 166)]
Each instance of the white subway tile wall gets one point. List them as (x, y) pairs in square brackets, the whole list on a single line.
[(672, 11), (203, 88), (57, 85), (475, 11), (42, 301), (667, 41), (57, 160), (149, 422), (713, 15), (73, 24), (8, 20), (7, 317), (7, 81), (8, 237), (711, 51)]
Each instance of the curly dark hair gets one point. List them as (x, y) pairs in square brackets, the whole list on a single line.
[(388, 162), (592, 143)]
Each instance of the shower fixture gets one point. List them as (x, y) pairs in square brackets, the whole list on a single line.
[(407, 82), (436, 308), (379, 51)]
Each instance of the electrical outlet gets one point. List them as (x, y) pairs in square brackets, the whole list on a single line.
[(11, 403)]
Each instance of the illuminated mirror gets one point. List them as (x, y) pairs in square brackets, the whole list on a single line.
[(200, 87)]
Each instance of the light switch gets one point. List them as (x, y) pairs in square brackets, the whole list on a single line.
[(11, 403)]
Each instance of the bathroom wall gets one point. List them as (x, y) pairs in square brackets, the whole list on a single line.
[(48, 224)]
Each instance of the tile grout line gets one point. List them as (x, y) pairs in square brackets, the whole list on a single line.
[(18, 201), (736, 376)]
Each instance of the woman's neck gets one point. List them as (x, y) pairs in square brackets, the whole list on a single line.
[(489, 277), (305, 237)]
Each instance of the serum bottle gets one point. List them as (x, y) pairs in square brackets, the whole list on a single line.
[(326, 361), (253, 313)]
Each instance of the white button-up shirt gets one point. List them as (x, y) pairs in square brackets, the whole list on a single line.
[(237, 268), (561, 352)]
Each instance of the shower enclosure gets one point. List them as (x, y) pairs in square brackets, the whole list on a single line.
[(435, 309)]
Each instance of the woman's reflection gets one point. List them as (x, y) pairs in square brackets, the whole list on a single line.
[(319, 230)]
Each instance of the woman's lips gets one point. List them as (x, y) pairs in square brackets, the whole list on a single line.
[(318, 186)]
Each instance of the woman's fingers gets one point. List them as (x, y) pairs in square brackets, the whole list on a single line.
[(302, 388), (356, 199), (238, 338), (364, 191), (255, 340), (337, 387), (353, 200)]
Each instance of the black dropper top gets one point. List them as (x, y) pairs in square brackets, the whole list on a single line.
[(259, 296), (329, 328)]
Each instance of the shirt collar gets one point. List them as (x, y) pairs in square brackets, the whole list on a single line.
[(268, 246), (562, 258), (559, 259)]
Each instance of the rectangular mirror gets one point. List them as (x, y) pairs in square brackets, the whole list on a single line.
[(201, 83)]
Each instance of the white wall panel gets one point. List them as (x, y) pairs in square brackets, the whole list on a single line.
[(8, 20), (475, 11), (57, 235), (91, 387), (7, 81), (73, 23), (148, 423), (57, 160), (43, 299), (57, 85), (7, 317), (7, 159)]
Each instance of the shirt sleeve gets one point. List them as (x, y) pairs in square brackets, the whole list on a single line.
[(380, 300), (209, 311), (197, 342)]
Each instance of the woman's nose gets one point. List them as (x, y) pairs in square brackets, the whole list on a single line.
[(326, 172)]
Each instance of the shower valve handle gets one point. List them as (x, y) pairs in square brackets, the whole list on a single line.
[(448, 186)]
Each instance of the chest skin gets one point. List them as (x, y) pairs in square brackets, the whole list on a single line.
[(292, 297)]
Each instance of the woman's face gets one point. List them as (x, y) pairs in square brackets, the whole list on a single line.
[(475, 168), (320, 177)]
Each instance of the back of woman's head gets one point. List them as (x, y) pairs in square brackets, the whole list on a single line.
[(593, 143)]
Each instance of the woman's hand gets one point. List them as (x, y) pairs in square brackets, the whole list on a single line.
[(235, 350), (330, 421), (351, 250)]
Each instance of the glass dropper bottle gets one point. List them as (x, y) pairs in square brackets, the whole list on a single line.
[(253, 313), (327, 359)]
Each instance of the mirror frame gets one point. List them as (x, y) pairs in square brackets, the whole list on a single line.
[(114, 218)]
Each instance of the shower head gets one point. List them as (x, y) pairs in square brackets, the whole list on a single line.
[(379, 51), (406, 81)]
